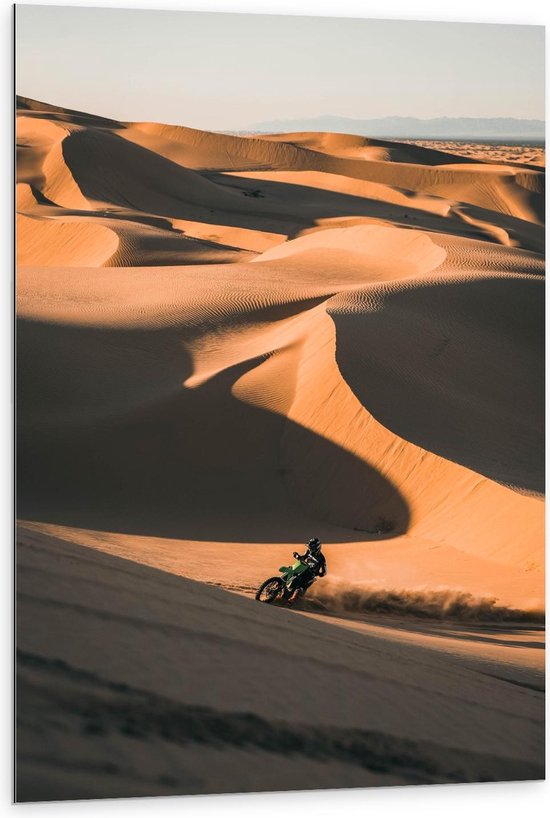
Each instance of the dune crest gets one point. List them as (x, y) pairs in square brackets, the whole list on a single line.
[(386, 253)]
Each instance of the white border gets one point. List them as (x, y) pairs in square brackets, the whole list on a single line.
[(489, 11), (503, 800)]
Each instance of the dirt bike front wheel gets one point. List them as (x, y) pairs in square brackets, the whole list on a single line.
[(270, 590)]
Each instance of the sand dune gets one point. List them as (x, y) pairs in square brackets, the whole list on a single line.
[(227, 344), (132, 714), (360, 147), (50, 242), (308, 348), (499, 188)]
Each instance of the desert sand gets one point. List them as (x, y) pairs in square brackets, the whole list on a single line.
[(527, 154), (227, 345)]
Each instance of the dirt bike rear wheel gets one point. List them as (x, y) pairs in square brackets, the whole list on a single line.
[(270, 590)]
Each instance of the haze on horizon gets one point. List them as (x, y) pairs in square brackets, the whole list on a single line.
[(229, 71)]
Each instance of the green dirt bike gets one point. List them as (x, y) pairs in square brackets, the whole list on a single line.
[(289, 587)]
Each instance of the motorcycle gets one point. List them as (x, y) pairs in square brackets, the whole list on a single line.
[(290, 586)]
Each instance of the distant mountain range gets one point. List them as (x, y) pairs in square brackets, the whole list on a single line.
[(405, 127)]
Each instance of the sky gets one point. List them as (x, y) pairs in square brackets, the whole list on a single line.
[(231, 71)]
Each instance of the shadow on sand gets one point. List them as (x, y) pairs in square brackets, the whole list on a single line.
[(109, 439)]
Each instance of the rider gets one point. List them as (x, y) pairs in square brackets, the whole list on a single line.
[(315, 561)]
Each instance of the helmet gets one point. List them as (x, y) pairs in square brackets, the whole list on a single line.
[(314, 545)]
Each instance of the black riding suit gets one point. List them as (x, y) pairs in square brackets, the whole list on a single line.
[(317, 567)]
